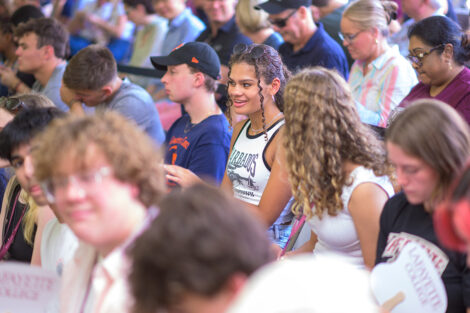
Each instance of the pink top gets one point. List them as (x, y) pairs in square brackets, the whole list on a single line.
[(456, 94)]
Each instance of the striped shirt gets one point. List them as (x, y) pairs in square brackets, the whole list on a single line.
[(389, 79)]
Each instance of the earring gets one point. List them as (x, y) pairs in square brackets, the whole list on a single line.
[(450, 66), (376, 41)]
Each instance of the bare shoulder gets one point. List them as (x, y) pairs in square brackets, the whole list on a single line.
[(367, 194)]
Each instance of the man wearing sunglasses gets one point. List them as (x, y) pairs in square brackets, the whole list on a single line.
[(306, 43)]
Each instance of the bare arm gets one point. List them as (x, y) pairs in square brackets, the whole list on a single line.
[(365, 206), (45, 214)]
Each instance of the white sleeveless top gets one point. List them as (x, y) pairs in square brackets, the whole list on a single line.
[(337, 234), (248, 169)]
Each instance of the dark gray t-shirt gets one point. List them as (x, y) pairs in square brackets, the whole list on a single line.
[(136, 104)]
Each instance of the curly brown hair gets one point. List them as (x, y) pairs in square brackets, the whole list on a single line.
[(323, 131), (130, 152)]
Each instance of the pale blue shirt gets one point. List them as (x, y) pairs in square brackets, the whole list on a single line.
[(401, 39), (186, 27)]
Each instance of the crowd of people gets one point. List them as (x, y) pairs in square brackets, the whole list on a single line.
[(308, 149)]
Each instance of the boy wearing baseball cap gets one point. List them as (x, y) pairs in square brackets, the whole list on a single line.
[(199, 141)]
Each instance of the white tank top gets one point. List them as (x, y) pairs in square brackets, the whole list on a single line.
[(247, 168), (337, 234)]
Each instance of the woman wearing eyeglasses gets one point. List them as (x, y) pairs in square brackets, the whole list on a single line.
[(438, 50), (380, 77)]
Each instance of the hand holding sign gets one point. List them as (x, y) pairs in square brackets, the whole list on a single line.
[(409, 284)]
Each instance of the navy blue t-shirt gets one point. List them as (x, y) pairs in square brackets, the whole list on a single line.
[(320, 50), (202, 148)]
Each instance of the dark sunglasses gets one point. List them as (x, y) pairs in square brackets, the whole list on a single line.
[(282, 22), (11, 104)]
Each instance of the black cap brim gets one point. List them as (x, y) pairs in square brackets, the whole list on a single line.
[(161, 62), (270, 7)]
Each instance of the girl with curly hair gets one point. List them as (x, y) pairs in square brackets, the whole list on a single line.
[(255, 171), (337, 167)]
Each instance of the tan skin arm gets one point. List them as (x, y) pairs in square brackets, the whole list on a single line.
[(45, 214), (277, 192), (365, 207)]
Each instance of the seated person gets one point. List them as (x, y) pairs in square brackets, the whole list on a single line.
[(380, 77), (149, 37), (25, 211), (207, 247), (438, 52), (200, 139), (91, 79), (42, 49), (103, 22), (104, 176)]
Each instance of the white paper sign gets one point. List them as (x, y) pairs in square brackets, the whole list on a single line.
[(25, 288), (413, 274)]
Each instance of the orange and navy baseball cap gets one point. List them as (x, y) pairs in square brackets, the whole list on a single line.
[(196, 54)]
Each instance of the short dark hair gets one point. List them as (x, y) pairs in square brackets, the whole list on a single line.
[(202, 237), (24, 126), (209, 82), (90, 69), (146, 3), (24, 13), (5, 25), (437, 31), (49, 32)]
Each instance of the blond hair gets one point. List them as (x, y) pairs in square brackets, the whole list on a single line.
[(251, 20), (131, 154), (367, 14), (323, 131), (30, 219)]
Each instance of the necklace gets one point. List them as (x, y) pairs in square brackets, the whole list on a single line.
[(267, 125)]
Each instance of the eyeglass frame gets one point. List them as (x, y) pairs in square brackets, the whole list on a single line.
[(418, 59), (349, 38), (282, 22), (8, 104), (97, 176)]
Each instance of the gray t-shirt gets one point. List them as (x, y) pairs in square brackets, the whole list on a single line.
[(133, 102), (52, 88)]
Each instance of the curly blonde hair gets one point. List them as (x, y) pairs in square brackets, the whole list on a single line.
[(323, 131)]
